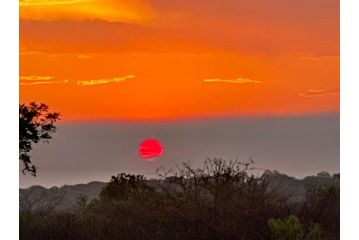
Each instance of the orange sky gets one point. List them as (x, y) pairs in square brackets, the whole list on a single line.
[(160, 59)]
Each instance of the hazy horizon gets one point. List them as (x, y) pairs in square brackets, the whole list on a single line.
[(82, 152)]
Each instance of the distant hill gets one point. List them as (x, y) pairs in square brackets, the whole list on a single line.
[(64, 198)]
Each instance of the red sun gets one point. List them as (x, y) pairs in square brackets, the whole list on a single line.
[(149, 149)]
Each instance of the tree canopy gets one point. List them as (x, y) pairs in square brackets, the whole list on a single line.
[(220, 200), (36, 123)]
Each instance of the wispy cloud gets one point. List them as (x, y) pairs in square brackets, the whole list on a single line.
[(38, 83), (104, 81), (25, 3), (81, 56), (318, 58), (108, 10), (36, 78), (24, 52), (39, 80), (236, 80), (52, 55), (318, 92)]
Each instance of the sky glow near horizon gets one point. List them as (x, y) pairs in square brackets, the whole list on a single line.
[(82, 152)]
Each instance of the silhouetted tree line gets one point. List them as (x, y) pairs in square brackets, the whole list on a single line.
[(220, 200)]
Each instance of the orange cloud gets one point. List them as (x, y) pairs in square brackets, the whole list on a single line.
[(318, 92), (35, 78), (39, 80), (110, 10), (236, 80), (104, 81), (80, 56)]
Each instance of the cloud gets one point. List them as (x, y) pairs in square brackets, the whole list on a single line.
[(39, 80), (318, 58), (39, 83), (239, 26), (98, 36), (24, 52), (104, 81), (81, 56), (25, 3), (236, 80), (108, 10), (318, 92), (36, 78)]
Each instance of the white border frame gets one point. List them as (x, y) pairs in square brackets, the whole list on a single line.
[(9, 98), (349, 119), (9, 95)]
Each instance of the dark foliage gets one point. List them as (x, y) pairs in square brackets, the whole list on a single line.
[(218, 201), (36, 123)]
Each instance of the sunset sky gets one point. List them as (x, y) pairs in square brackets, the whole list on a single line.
[(168, 60)]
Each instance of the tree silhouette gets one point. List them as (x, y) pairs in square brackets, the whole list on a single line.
[(36, 123), (220, 200)]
